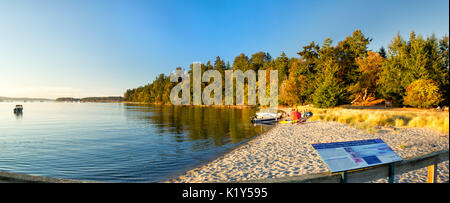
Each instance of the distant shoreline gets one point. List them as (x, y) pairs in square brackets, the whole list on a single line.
[(108, 99), (23, 99)]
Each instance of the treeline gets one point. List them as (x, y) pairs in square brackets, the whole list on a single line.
[(411, 72), (23, 99), (67, 99), (91, 99)]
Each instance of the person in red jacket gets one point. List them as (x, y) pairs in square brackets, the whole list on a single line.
[(295, 115)]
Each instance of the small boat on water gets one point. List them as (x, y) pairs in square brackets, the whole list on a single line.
[(281, 117), (266, 117), (18, 109)]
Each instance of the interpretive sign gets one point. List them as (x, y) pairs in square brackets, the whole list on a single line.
[(344, 156)]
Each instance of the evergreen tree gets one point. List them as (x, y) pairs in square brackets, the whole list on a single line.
[(219, 65), (307, 67), (443, 52), (228, 67), (353, 47), (258, 59), (382, 52), (329, 91), (241, 62), (281, 64), (390, 85)]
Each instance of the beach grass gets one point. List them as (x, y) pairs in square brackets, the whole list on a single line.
[(369, 119)]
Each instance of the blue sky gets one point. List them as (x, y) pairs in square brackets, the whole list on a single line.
[(99, 48)]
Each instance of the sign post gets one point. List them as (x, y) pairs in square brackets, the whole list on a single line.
[(391, 173)]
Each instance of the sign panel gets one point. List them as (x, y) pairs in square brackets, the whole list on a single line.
[(343, 156)]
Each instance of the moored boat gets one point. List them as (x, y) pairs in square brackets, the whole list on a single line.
[(18, 109), (265, 117)]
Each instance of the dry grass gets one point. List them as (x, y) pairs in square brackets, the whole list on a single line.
[(369, 119)]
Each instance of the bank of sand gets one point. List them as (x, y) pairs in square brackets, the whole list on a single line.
[(286, 150)]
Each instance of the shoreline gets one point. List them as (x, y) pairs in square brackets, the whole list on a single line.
[(286, 150), (207, 161), (423, 142), (203, 106)]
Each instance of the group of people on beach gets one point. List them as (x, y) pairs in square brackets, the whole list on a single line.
[(296, 115)]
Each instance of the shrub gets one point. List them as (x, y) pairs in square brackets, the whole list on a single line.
[(368, 120), (399, 122), (422, 94), (418, 121), (445, 127)]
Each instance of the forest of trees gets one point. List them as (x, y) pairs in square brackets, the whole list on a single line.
[(90, 99), (411, 72)]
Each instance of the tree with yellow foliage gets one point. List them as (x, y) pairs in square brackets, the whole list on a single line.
[(363, 92), (423, 94)]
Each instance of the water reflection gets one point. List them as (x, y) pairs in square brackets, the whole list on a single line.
[(187, 123), (18, 115), (117, 142)]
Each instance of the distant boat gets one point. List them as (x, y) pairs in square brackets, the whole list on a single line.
[(18, 109)]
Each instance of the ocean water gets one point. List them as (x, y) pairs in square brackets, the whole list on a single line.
[(114, 142)]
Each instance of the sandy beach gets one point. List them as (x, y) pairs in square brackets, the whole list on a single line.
[(286, 150)]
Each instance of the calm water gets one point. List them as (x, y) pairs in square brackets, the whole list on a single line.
[(117, 142)]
